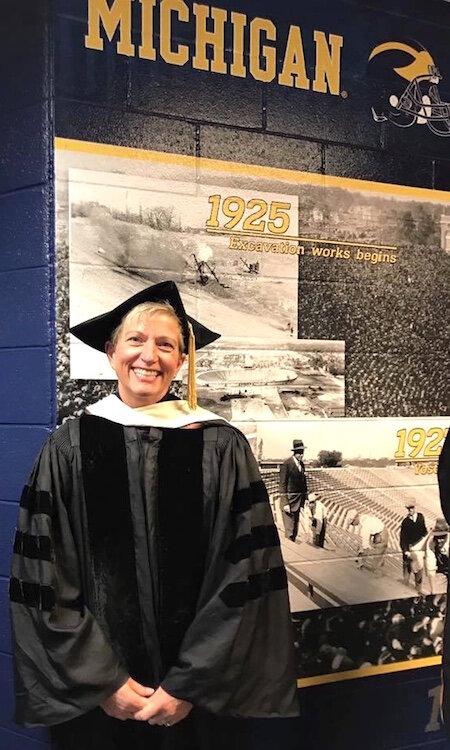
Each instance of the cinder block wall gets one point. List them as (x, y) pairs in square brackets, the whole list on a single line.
[(109, 98), (125, 101), (27, 373)]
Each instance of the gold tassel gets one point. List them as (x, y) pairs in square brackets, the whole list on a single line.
[(192, 385)]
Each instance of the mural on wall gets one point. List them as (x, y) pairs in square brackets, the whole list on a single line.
[(307, 278), (402, 73), (329, 292)]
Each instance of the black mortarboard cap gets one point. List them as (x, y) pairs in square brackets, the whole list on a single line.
[(97, 331)]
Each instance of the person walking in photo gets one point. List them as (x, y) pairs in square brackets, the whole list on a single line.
[(293, 489)]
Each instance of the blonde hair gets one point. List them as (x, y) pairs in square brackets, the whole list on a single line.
[(151, 309)]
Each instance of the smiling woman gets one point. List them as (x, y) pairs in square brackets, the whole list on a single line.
[(146, 353), (148, 593)]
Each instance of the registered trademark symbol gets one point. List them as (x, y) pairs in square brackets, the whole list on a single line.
[(344, 94)]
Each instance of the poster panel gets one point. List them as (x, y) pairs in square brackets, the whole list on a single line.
[(375, 468), (358, 605)]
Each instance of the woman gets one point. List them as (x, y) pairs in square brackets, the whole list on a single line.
[(148, 593)]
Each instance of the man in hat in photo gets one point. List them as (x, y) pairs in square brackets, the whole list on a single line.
[(293, 489), (412, 530), (316, 518)]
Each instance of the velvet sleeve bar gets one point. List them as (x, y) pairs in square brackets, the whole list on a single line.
[(64, 664)]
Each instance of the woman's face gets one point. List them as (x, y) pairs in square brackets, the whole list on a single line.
[(146, 357)]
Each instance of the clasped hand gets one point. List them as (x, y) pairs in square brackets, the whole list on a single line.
[(135, 701)]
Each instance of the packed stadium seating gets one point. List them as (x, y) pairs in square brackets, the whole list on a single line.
[(334, 640), (389, 316)]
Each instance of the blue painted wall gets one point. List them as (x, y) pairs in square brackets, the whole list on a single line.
[(116, 97), (27, 373)]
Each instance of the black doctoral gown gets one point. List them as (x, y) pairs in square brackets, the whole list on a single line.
[(148, 552)]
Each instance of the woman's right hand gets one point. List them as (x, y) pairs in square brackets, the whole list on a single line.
[(128, 699)]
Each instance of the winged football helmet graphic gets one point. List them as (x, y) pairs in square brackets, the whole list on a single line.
[(416, 102)]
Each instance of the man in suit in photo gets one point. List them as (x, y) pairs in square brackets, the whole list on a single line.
[(293, 489), (412, 530)]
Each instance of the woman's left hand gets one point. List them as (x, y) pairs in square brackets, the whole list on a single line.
[(163, 709)]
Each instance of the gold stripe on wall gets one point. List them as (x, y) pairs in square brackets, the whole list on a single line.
[(255, 170), (354, 674)]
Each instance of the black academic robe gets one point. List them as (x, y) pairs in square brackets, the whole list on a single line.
[(85, 593)]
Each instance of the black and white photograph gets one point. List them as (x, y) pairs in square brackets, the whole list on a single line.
[(120, 230), (357, 524), (257, 380), (146, 230), (364, 636), (380, 288)]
